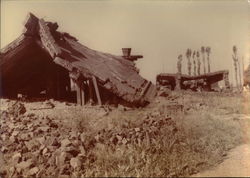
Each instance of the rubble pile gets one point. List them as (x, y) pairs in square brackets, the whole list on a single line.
[(42, 146), (145, 131), (34, 146)]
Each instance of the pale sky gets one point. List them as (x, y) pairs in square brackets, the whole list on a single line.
[(158, 30)]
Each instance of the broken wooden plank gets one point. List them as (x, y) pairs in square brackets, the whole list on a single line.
[(17, 42), (145, 88), (97, 90), (64, 63), (47, 39)]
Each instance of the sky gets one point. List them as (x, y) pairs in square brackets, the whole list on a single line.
[(159, 30)]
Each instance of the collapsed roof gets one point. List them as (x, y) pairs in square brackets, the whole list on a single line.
[(114, 73), (246, 76), (177, 80)]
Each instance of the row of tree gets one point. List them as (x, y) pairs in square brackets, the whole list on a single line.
[(205, 51)]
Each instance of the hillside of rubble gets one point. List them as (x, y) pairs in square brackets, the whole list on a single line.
[(178, 134)]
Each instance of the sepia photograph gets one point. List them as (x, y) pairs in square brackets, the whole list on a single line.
[(124, 88)]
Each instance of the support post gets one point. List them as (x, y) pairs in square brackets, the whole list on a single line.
[(82, 88), (78, 94), (91, 96), (97, 90)]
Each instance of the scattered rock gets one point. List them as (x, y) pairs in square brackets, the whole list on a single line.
[(44, 128), (24, 136), (75, 163), (137, 129), (15, 133), (62, 158), (32, 144), (52, 141), (65, 142), (33, 171), (72, 150), (16, 158), (12, 171), (41, 140), (45, 150), (49, 104), (16, 109), (25, 164), (102, 113), (124, 141)]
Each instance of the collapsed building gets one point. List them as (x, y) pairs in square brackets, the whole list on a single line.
[(43, 61), (198, 82), (246, 76)]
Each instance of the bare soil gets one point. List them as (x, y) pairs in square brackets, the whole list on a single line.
[(237, 164)]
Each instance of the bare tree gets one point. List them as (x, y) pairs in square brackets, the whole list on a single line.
[(198, 63), (203, 58), (208, 51), (188, 55), (179, 63), (235, 60), (194, 63)]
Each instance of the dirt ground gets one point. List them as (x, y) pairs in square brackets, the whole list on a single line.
[(237, 164), (179, 134)]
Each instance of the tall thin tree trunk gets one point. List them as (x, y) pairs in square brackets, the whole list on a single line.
[(194, 63), (236, 73), (189, 66), (199, 66), (240, 73), (204, 63), (208, 64)]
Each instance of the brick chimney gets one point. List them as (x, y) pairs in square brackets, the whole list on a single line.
[(126, 52), (127, 55)]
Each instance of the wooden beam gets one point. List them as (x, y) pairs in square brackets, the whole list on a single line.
[(91, 96), (82, 87), (144, 90), (97, 90), (78, 94)]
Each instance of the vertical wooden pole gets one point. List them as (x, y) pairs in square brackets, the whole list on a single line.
[(91, 96), (82, 93), (78, 94), (97, 91)]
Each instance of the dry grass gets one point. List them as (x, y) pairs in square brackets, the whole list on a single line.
[(202, 140), (207, 127)]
